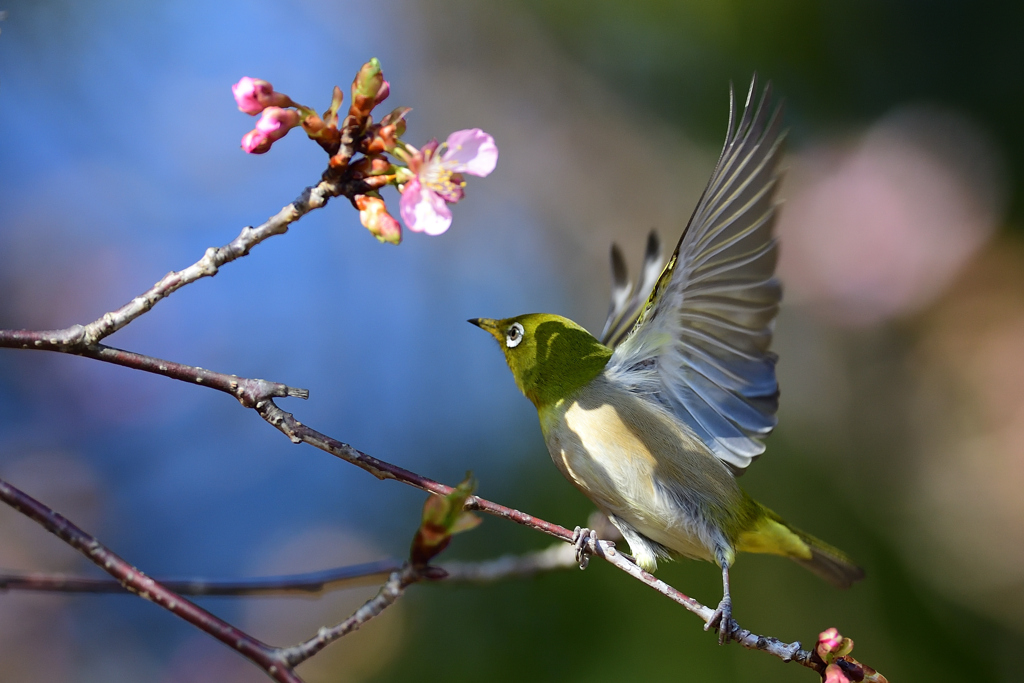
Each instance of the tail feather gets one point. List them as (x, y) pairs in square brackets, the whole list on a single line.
[(827, 562), (769, 533)]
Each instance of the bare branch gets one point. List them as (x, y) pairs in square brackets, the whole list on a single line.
[(290, 584), (556, 557), (131, 579), (386, 596)]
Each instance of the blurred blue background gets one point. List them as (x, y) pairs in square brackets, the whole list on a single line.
[(902, 423)]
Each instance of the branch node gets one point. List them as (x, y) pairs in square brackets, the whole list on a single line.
[(208, 264)]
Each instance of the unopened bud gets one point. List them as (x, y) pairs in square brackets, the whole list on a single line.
[(382, 93), (254, 95), (374, 216), (255, 142), (273, 125), (368, 81), (833, 674), (832, 644), (276, 122)]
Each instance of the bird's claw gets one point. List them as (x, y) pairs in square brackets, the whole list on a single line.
[(581, 537), (722, 621)]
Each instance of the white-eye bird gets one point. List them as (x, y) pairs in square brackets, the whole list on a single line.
[(654, 422)]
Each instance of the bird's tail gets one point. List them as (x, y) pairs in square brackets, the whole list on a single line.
[(770, 534), (828, 562)]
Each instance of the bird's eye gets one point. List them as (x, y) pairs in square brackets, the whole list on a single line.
[(514, 336)]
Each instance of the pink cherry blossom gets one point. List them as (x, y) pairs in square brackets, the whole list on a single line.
[(254, 95), (438, 179)]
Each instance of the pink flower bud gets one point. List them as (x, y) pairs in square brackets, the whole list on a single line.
[(254, 95), (273, 125), (829, 641), (255, 142), (249, 92), (833, 674), (276, 122), (374, 216), (382, 94)]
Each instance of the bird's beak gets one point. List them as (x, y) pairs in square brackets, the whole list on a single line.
[(488, 325)]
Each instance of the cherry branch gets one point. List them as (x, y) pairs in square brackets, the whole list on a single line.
[(386, 596)]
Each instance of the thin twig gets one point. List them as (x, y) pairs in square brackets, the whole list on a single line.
[(555, 557), (289, 584), (386, 596), (131, 579)]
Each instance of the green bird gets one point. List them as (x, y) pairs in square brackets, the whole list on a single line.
[(654, 421)]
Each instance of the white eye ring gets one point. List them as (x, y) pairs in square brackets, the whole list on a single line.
[(514, 336)]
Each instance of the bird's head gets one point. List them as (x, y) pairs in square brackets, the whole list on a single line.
[(549, 356)]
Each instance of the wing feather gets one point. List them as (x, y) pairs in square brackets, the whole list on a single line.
[(700, 343), (627, 303)]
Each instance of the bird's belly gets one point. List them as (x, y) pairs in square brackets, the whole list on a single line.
[(616, 468)]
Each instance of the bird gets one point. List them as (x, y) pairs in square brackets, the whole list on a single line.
[(654, 419)]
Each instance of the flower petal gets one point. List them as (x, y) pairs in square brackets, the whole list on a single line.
[(423, 210), (471, 151)]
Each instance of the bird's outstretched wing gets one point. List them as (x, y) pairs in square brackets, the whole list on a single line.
[(628, 302), (700, 344)]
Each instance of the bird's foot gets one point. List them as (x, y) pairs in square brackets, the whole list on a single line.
[(581, 537), (721, 620)]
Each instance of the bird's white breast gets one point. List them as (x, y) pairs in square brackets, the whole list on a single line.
[(638, 463)]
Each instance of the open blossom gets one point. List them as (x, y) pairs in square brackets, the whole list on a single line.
[(438, 179), (273, 125), (254, 95)]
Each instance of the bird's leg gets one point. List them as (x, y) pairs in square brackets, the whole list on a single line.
[(581, 537), (721, 618)]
